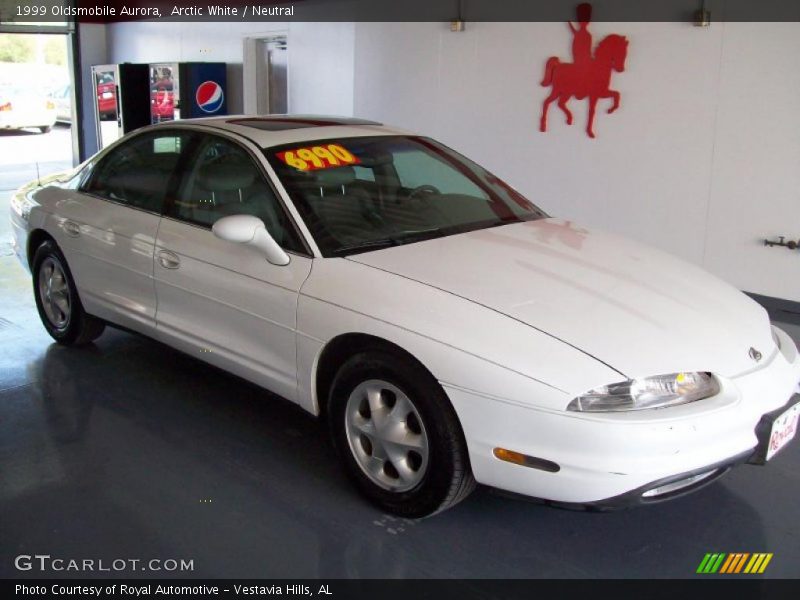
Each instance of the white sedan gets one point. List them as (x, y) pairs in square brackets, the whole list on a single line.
[(25, 107), (446, 328)]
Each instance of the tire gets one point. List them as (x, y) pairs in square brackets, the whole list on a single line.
[(45, 129), (428, 471), (57, 299)]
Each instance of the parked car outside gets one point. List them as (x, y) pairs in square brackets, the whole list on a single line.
[(23, 106), (62, 97), (107, 97)]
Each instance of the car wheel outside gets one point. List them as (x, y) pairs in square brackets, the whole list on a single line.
[(57, 300), (398, 436)]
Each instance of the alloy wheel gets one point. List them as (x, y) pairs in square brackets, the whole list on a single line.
[(54, 293), (386, 435)]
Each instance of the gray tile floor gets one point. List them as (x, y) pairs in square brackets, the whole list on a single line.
[(128, 449)]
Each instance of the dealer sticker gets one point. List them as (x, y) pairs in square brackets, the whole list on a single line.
[(783, 431), (323, 156)]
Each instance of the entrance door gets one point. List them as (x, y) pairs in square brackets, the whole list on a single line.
[(266, 89)]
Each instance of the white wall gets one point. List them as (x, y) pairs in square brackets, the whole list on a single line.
[(755, 183), (321, 68), (320, 56), (706, 137), (701, 159)]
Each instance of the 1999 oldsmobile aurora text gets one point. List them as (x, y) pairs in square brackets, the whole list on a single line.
[(210, 10), (447, 330)]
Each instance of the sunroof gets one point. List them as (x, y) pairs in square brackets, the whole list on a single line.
[(284, 123)]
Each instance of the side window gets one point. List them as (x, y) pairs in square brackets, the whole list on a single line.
[(138, 172), (225, 181)]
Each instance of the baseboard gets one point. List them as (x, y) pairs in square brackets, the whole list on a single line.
[(779, 309)]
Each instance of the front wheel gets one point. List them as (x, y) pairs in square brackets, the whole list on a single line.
[(45, 129), (57, 300), (398, 436)]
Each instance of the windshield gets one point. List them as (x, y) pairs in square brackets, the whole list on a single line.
[(365, 193)]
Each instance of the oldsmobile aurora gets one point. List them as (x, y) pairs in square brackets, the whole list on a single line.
[(447, 329)]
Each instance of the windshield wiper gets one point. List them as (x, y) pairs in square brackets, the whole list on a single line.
[(415, 235), (418, 235), (366, 246), (405, 237)]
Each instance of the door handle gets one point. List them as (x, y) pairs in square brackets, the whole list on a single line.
[(168, 260), (71, 228)]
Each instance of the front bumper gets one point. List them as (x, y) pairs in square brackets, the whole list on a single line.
[(19, 234), (611, 459), (685, 483), (21, 120)]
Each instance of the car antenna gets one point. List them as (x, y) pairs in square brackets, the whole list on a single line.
[(38, 177)]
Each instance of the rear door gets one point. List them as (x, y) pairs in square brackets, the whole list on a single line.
[(221, 301), (109, 227)]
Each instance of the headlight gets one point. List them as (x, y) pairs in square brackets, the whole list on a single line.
[(647, 392)]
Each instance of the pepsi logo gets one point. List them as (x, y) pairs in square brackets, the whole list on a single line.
[(209, 96)]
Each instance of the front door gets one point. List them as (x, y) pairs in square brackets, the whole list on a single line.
[(222, 301)]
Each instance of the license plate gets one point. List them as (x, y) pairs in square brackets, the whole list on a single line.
[(784, 428), (106, 95)]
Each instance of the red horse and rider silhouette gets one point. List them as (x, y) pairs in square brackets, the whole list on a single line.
[(587, 76)]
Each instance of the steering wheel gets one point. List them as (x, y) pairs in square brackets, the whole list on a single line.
[(423, 189)]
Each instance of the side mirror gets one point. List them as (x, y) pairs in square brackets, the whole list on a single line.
[(251, 231)]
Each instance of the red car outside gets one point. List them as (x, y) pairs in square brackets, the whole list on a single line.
[(107, 97)]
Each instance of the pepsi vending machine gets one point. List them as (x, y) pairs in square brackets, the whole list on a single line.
[(121, 100), (203, 88), (187, 90)]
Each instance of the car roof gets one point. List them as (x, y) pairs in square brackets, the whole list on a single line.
[(276, 130)]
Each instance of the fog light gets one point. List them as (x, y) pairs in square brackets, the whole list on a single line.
[(674, 486), (524, 460)]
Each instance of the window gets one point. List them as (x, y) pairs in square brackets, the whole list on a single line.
[(139, 172), (363, 193), (363, 173), (223, 180), (415, 169)]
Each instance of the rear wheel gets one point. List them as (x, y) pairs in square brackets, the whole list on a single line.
[(57, 300), (398, 436)]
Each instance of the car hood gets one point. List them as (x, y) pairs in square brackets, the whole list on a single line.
[(635, 308)]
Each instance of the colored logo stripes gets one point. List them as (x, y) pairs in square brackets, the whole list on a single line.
[(735, 562)]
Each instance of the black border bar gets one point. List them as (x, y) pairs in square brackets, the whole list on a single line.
[(469, 11), (700, 586)]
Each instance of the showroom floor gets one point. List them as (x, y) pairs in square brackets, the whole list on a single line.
[(128, 449)]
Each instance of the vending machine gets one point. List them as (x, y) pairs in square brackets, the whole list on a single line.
[(122, 100), (164, 94), (187, 90)]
